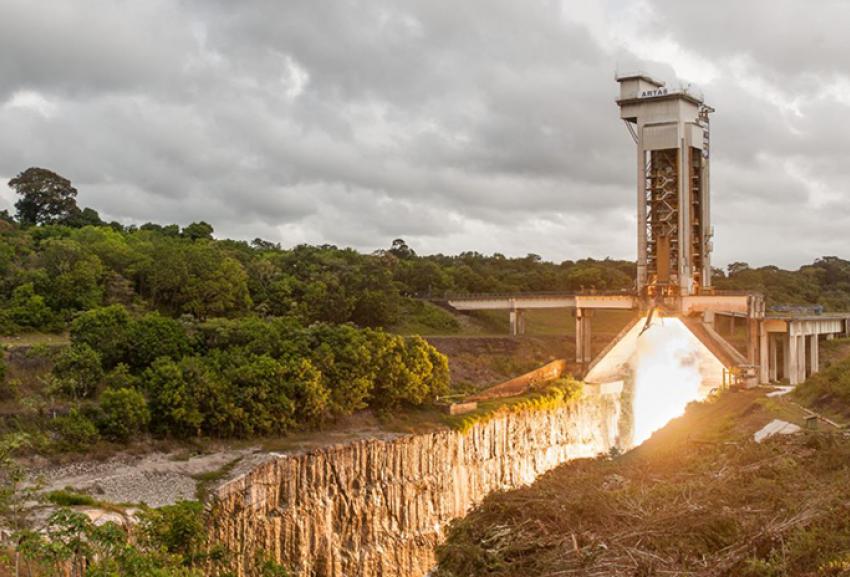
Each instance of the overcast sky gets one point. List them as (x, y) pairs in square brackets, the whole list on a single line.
[(485, 125)]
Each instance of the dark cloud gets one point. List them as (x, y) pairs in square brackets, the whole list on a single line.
[(485, 125)]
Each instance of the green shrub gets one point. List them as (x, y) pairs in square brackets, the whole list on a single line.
[(828, 389), (120, 378), (260, 390), (123, 413), (305, 385), (79, 371), (106, 330), (271, 568), (178, 529), (66, 498), (154, 336), (409, 371), (29, 310), (2, 364), (551, 395), (174, 403), (10, 389), (343, 355), (74, 432)]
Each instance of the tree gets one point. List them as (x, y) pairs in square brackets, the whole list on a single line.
[(13, 474), (79, 218), (179, 529), (79, 371), (123, 414), (344, 357), (172, 543), (737, 267), (264, 245), (260, 389), (74, 431), (106, 330), (154, 336), (28, 309), (409, 371), (400, 249), (306, 386), (218, 285), (198, 231), (174, 408), (73, 275), (46, 197), (188, 398)]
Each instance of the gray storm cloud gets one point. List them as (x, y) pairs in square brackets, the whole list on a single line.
[(482, 125)]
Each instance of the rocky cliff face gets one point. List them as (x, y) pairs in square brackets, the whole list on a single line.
[(379, 507)]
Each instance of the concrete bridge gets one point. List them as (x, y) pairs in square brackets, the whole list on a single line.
[(778, 345)]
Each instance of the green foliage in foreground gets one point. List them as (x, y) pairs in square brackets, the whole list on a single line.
[(552, 395), (171, 541)]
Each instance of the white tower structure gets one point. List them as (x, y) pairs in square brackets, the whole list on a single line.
[(671, 131)]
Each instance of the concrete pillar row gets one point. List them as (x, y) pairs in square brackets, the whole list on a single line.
[(517, 318), (791, 358), (773, 356), (583, 336), (801, 359), (814, 355), (753, 344), (764, 353), (586, 333), (579, 336)]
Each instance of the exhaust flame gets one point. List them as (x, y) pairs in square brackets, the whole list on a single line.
[(666, 369)]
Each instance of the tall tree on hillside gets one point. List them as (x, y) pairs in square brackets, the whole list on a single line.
[(198, 231), (46, 197)]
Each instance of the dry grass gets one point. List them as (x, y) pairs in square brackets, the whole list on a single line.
[(699, 498)]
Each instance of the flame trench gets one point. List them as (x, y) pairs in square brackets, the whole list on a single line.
[(664, 366)]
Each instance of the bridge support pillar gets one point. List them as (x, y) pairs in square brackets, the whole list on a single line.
[(790, 342), (517, 317), (583, 336), (773, 357), (814, 355), (764, 354), (801, 358), (753, 336)]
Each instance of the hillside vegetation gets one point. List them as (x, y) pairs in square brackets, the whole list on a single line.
[(829, 390), (700, 498)]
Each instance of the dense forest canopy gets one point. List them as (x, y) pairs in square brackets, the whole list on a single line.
[(57, 260)]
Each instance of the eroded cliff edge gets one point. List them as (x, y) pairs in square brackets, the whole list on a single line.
[(378, 507)]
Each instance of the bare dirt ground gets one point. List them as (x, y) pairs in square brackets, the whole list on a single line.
[(156, 479), (164, 477)]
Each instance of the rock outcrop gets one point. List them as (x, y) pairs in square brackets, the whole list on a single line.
[(379, 507)]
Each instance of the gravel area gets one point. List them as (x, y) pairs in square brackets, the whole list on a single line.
[(156, 479)]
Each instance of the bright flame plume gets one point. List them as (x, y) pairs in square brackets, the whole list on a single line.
[(666, 369)]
